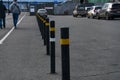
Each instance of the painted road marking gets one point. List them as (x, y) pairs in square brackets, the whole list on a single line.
[(3, 39)]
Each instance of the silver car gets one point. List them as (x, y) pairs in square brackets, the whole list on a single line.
[(42, 12), (109, 11), (82, 9), (93, 11)]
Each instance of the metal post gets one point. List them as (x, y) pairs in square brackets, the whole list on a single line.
[(65, 53), (44, 27), (47, 36), (52, 46)]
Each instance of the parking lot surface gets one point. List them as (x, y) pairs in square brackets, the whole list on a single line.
[(94, 50)]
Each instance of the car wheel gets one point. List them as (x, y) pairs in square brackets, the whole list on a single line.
[(81, 15), (74, 15), (92, 16), (88, 16), (112, 18), (107, 16), (97, 16)]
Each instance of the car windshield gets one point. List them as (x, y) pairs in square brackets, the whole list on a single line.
[(42, 11), (116, 6)]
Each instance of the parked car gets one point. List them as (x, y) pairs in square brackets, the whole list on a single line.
[(109, 11), (32, 10), (87, 8), (93, 11), (42, 12), (81, 9)]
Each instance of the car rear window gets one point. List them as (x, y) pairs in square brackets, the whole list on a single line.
[(88, 9), (43, 10), (81, 8), (97, 8), (116, 6)]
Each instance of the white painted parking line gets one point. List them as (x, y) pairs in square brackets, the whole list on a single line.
[(3, 39)]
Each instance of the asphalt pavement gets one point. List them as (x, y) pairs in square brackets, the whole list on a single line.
[(22, 53), (94, 49)]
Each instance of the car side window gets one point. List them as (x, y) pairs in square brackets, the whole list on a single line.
[(105, 6), (116, 6)]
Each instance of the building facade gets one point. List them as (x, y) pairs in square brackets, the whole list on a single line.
[(97, 1), (102, 1)]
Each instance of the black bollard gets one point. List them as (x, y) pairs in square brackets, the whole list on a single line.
[(65, 53), (41, 27), (39, 23), (47, 36), (52, 46), (44, 33)]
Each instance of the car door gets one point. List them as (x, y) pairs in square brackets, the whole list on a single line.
[(103, 10)]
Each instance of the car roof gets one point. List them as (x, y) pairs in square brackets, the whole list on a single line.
[(97, 6), (113, 3)]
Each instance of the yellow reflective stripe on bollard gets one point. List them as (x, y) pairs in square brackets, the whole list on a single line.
[(64, 41), (44, 21), (39, 17), (47, 24), (52, 29)]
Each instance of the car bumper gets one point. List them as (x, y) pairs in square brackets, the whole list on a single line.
[(117, 15), (82, 14)]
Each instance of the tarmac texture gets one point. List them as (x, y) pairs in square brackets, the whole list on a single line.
[(94, 50)]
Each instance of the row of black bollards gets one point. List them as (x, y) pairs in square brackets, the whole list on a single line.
[(43, 23), (47, 30), (47, 36)]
